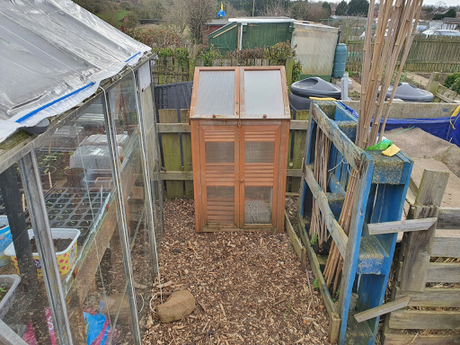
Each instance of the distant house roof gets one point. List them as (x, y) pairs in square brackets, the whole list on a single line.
[(54, 54), (217, 22), (449, 20), (261, 20)]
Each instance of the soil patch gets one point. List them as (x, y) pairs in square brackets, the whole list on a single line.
[(60, 244), (249, 287)]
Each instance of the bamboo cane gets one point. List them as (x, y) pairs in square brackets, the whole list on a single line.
[(378, 69)]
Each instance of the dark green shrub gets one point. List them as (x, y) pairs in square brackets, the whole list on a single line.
[(456, 86), (450, 79)]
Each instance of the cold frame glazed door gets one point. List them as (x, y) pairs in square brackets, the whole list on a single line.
[(258, 153), (219, 147)]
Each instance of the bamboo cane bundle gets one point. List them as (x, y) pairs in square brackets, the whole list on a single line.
[(396, 25)]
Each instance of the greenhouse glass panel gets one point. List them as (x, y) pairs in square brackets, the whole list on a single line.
[(152, 152), (262, 94), (124, 105), (79, 192), (216, 93), (24, 306)]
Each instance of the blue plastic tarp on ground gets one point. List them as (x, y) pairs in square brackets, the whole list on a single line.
[(447, 128)]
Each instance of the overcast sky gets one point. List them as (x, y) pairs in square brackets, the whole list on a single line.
[(447, 2), (425, 2)]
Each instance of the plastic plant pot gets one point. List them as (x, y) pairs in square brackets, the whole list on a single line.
[(12, 280), (66, 258), (5, 240)]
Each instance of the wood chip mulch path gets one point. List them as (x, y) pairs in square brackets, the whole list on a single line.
[(249, 287)]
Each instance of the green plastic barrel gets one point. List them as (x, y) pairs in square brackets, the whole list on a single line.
[(340, 60)]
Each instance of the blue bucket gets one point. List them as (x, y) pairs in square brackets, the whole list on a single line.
[(5, 240)]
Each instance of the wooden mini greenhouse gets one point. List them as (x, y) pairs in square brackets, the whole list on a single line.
[(240, 128)]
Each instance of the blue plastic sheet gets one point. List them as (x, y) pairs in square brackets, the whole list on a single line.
[(98, 328), (447, 128)]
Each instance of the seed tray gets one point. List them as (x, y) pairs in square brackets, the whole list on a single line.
[(75, 208)]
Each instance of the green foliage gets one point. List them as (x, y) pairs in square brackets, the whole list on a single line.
[(279, 53), (316, 283), (358, 8), (451, 13), (327, 7), (314, 239), (209, 55), (299, 10), (180, 54), (450, 79), (341, 9), (456, 86), (126, 5)]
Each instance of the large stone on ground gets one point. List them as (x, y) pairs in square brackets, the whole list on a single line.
[(178, 305)]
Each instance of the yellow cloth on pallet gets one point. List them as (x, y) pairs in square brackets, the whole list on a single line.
[(391, 151), (322, 98)]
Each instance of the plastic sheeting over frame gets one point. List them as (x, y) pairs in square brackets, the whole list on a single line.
[(53, 55)]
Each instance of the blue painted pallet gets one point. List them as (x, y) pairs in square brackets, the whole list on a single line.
[(382, 187)]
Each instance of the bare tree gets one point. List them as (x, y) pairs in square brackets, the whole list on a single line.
[(276, 10), (177, 15), (199, 12)]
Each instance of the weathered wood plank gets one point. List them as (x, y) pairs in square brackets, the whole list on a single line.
[(448, 218), (401, 226), (382, 309), (443, 272), (296, 243), (432, 297), (177, 175), (188, 175), (187, 152), (173, 127), (299, 147), (419, 244), (448, 247), (349, 150), (299, 125), (331, 308), (390, 337), (171, 153), (339, 236), (422, 319)]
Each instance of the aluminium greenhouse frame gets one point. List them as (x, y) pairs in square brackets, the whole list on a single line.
[(21, 150)]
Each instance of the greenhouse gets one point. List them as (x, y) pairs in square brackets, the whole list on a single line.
[(80, 198)]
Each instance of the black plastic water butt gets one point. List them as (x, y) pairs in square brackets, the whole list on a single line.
[(311, 87), (410, 93)]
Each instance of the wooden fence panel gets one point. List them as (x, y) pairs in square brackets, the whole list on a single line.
[(171, 147), (296, 149), (426, 55)]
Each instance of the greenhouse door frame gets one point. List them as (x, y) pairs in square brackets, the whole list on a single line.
[(265, 175)]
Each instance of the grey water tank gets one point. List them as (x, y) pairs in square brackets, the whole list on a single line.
[(311, 87), (410, 93)]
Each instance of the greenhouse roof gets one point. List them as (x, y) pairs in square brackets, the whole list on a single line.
[(54, 56)]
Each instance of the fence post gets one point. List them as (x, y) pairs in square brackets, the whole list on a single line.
[(433, 83), (289, 67)]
